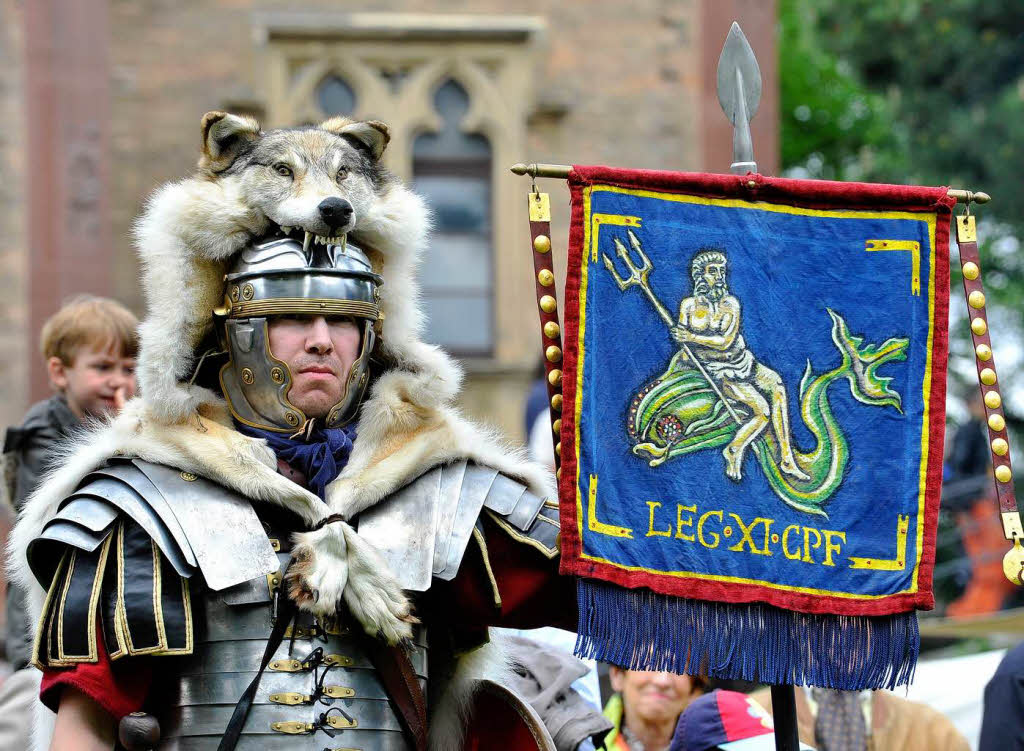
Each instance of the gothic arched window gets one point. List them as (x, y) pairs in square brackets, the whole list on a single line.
[(452, 170), (335, 96)]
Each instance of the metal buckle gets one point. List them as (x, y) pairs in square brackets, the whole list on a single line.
[(291, 698), (287, 666), (293, 727), (540, 206), (336, 661), (1012, 528), (339, 692), (340, 722), (966, 228), (333, 627), (273, 581), (303, 632)]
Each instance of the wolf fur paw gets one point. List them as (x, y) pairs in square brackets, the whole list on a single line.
[(333, 565), (317, 578), (374, 596)]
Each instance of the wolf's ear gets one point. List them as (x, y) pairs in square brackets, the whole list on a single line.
[(224, 138), (371, 134)]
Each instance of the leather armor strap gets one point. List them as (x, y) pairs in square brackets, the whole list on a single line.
[(327, 520), (974, 294), (286, 610), (547, 306), (399, 679)]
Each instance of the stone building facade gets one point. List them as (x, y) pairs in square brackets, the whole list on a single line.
[(101, 102)]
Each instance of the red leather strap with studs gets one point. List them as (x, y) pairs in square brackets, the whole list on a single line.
[(547, 307), (984, 358)]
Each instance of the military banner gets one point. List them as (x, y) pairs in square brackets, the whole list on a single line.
[(752, 425)]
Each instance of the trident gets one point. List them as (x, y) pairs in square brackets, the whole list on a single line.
[(638, 278)]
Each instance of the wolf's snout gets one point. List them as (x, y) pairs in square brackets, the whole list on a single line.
[(335, 211)]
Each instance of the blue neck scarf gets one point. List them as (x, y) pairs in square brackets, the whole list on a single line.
[(320, 459)]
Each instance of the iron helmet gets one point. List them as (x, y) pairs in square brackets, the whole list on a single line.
[(285, 277)]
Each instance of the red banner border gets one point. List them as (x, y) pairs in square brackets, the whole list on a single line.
[(812, 194)]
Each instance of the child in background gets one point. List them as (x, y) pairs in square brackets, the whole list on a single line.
[(89, 346)]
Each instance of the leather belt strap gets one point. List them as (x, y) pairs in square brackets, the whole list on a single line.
[(286, 610), (967, 241), (396, 673), (547, 305)]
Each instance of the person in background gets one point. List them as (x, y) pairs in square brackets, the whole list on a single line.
[(1002, 719), (725, 721), (859, 720), (89, 347), (969, 452), (646, 707)]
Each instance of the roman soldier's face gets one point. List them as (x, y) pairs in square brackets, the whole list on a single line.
[(319, 353)]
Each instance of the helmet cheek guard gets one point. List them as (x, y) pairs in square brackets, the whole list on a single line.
[(279, 278)]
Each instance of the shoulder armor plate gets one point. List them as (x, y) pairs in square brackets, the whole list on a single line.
[(186, 516), (423, 529), (121, 550)]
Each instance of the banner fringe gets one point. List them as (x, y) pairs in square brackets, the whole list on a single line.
[(639, 629)]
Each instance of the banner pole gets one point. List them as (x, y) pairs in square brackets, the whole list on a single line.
[(784, 716), (561, 171)]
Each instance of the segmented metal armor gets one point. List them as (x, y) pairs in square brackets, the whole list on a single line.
[(167, 564)]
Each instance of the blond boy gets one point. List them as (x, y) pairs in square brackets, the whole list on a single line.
[(89, 346)]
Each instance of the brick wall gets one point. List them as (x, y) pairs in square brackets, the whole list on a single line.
[(14, 258)]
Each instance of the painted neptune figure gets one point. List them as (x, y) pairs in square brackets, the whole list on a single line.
[(709, 322)]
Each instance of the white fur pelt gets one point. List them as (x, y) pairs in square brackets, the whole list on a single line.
[(400, 437)]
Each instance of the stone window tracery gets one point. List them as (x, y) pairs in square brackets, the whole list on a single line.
[(456, 93), (452, 170)]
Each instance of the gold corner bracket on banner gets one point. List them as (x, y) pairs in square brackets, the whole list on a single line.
[(561, 171)]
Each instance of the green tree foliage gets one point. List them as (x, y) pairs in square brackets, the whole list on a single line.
[(914, 91)]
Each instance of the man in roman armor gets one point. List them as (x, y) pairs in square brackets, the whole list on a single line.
[(291, 540)]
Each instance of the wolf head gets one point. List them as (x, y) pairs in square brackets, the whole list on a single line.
[(319, 179), (312, 183)]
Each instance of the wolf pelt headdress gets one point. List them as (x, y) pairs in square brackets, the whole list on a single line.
[(186, 236), (190, 230)]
